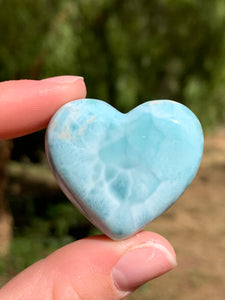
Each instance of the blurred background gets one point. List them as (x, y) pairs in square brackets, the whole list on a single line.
[(129, 52)]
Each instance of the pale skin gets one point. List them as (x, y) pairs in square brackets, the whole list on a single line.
[(93, 268)]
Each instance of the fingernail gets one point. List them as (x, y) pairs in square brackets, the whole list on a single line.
[(63, 79), (141, 264)]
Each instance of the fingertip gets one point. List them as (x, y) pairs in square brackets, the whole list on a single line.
[(146, 236), (150, 256), (124, 265), (27, 106)]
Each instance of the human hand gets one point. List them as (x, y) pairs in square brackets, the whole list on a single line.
[(93, 268)]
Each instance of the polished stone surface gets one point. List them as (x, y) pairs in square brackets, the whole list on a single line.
[(124, 170)]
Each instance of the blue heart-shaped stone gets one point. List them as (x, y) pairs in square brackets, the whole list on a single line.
[(123, 170)]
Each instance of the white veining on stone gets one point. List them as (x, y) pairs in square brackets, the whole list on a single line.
[(124, 170)]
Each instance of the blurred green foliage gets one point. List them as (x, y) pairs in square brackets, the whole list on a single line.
[(129, 51), (44, 219)]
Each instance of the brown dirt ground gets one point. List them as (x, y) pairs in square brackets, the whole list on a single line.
[(195, 226)]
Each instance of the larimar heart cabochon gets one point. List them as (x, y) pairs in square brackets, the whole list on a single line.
[(124, 170)]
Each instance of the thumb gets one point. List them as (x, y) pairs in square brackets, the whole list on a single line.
[(94, 268)]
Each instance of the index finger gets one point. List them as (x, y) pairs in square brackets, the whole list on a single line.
[(26, 106)]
